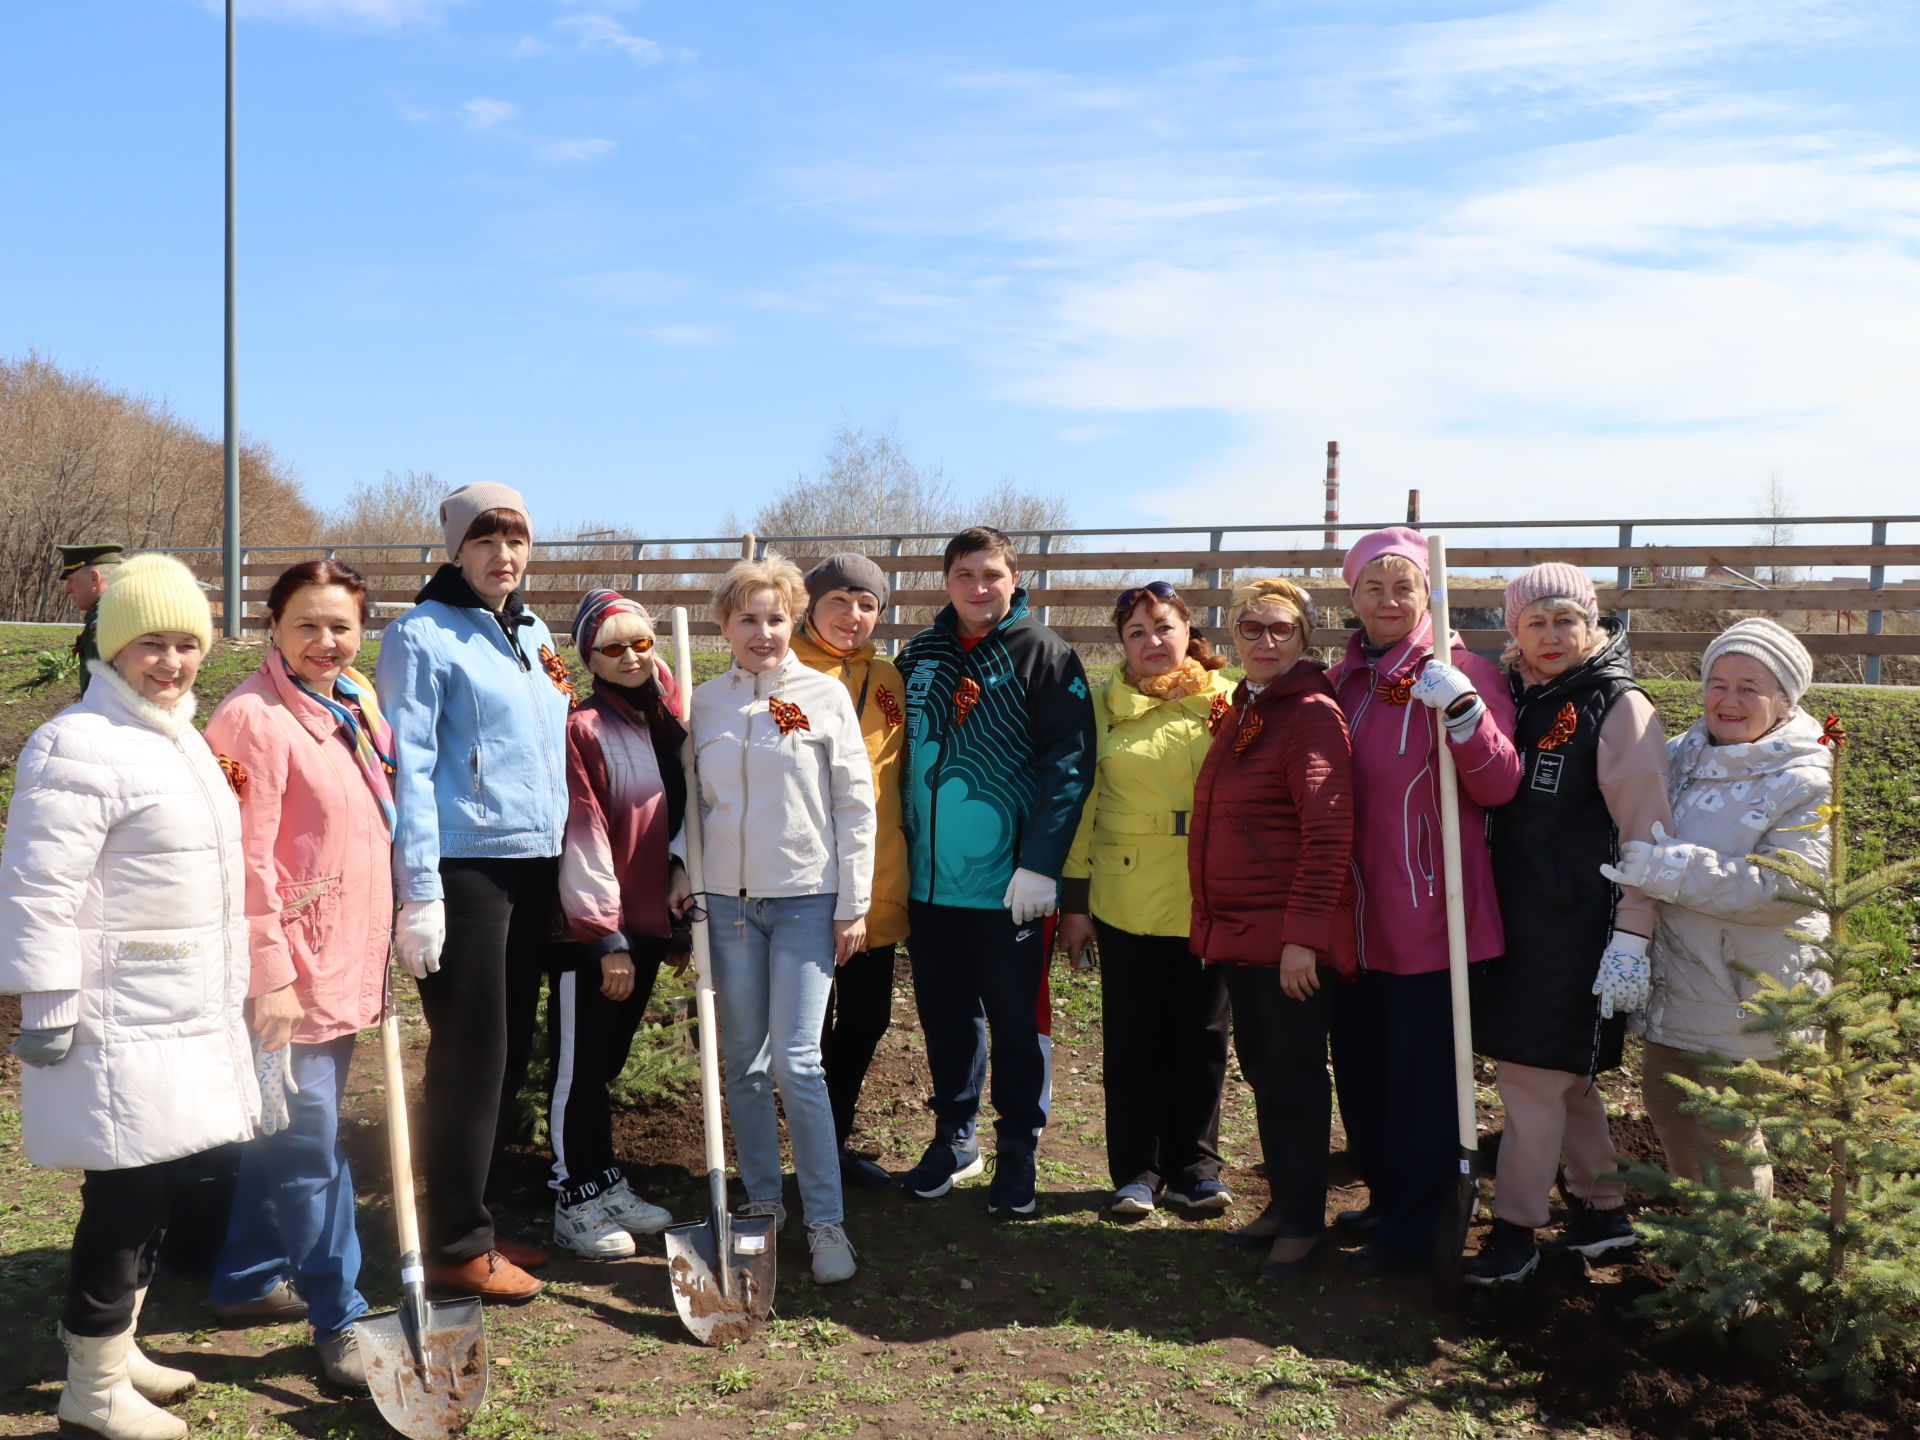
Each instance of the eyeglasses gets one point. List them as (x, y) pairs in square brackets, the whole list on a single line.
[(640, 645), (1252, 631), (1159, 589)]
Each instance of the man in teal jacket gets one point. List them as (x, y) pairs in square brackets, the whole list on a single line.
[(1001, 743)]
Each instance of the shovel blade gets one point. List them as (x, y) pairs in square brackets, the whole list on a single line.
[(434, 1389), (712, 1314)]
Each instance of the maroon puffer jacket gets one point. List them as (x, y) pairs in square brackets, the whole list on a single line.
[(1271, 850)]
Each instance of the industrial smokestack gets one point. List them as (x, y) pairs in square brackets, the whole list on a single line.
[(1332, 538)]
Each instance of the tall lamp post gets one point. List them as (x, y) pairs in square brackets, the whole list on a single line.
[(230, 604)]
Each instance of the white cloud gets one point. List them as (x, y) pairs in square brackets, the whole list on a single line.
[(576, 152), (685, 337), (603, 32), (484, 113)]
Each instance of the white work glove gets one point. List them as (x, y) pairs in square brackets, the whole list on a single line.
[(1030, 895), (272, 1070), (1624, 979), (1447, 689), (1655, 870), (419, 935), (41, 1048)]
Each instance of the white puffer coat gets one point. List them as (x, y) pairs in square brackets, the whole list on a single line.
[(122, 879), (1718, 911)]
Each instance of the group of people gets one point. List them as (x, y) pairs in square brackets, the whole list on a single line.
[(198, 928)]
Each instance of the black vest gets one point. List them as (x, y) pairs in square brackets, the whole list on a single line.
[(1535, 1004)]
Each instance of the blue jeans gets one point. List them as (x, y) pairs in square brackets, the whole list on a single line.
[(293, 1203), (772, 975)]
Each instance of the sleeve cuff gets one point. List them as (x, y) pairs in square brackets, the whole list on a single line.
[(49, 1009), (1313, 931), (1076, 896), (609, 944)]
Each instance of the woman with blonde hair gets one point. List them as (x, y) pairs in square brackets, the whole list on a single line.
[(1163, 1010), (1270, 862), (787, 812)]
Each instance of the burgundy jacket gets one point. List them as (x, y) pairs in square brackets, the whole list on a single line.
[(1271, 850)]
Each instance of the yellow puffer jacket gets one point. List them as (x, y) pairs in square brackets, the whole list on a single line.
[(880, 697), (1132, 842)]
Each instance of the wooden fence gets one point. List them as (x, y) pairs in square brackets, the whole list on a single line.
[(662, 579)]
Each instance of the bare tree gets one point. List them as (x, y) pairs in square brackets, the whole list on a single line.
[(1775, 504)]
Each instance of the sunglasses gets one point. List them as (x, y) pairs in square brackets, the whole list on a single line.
[(1251, 631), (1159, 589), (613, 651)]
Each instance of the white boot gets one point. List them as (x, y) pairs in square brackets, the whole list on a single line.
[(100, 1400), (162, 1384)]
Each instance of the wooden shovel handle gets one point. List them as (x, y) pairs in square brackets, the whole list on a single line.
[(1450, 860), (399, 1138), (697, 882)]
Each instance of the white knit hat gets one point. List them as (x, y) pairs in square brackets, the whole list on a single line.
[(1773, 645), (148, 594)]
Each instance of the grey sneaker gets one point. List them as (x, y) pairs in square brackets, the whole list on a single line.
[(282, 1302), (832, 1253), (755, 1208), (340, 1360)]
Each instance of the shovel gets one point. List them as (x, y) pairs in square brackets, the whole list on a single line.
[(722, 1269), (1450, 1246), (427, 1361)]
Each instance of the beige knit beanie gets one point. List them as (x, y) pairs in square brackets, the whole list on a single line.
[(467, 504), (151, 593), (1773, 645)]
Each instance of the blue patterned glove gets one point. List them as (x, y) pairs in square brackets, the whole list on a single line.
[(271, 1068), (1624, 979)]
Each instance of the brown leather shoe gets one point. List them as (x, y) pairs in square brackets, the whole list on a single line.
[(491, 1276), (527, 1257)]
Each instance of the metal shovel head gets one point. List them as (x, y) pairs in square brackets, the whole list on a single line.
[(715, 1316), (436, 1389)]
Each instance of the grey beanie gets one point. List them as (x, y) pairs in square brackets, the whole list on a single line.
[(1773, 645), (848, 571), (467, 504)]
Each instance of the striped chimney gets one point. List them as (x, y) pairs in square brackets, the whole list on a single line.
[(1332, 539)]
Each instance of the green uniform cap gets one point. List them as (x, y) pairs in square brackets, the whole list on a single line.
[(78, 557)]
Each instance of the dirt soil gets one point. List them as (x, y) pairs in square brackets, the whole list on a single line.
[(1067, 1325)]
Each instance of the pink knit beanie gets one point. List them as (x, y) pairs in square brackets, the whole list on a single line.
[(1394, 540), (1554, 580), (467, 504)]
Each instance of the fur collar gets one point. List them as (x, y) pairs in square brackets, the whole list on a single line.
[(119, 695)]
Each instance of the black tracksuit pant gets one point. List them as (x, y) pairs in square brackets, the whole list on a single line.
[(1163, 1026), (1283, 1053), (480, 1007), (123, 1218), (859, 1010), (592, 1037)]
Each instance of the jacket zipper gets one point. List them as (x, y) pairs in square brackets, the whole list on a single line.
[(244, 1071), (746, 739)]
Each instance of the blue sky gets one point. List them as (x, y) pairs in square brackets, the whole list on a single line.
[(1590, 257)]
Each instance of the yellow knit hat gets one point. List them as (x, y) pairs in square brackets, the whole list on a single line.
[(150, 593)]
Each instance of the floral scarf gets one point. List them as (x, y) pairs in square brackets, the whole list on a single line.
[(368, 734), (1189, 677)]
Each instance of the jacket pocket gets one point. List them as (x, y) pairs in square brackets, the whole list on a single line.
[(162, 977), (471, 799), (1107, 858), (309, 910)]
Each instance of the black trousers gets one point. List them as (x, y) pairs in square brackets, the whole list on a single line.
[(975, 974), (859, 1010), (1163, 1027), (1282, 1044), (480, 1007), (592, 1037), (1393, 1061), (123, 1219)]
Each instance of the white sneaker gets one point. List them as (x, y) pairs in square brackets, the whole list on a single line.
[(832, 1254), (587, 1230), (631, 1213)]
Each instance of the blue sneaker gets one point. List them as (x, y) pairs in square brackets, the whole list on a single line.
[(1201, 1195), (1134, 1199), (1011, 1192), (943, 1164)]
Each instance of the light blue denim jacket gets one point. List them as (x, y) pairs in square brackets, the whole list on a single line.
[(479, 738)]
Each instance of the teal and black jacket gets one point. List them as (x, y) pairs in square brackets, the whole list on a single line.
[(1001, 747)]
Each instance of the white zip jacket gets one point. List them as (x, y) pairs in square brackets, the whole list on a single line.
[(123, 896), (1720, 914), (786, 789)]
